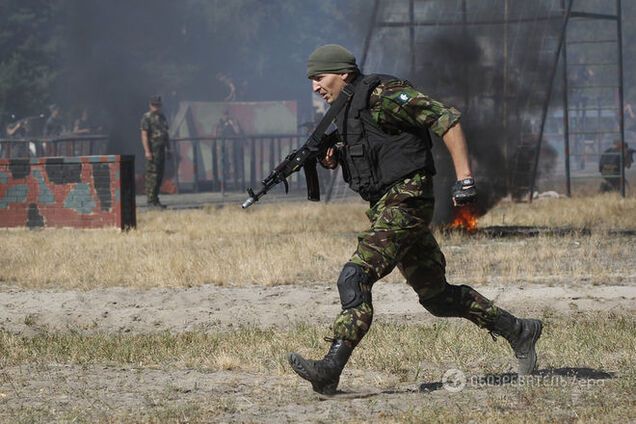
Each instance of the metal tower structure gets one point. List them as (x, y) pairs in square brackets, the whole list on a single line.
[(585, 102)]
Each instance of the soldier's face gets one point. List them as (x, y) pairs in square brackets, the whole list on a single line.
[(155, 107), (328, 86)]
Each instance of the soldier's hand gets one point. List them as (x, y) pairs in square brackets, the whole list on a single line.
[(329, 161), (464, 192), (149, 155)]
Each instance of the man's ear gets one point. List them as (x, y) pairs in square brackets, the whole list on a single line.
[(344, 76)]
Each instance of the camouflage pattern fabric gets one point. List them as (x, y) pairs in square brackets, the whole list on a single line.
[(352, 324), (156, 126), (462, 301), (610, 168), (400, 236), (396, 105), (154, 171), (400, 225), (478, 309)]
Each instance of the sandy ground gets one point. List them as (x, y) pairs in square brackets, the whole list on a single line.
[(95, 392), (218, 308)]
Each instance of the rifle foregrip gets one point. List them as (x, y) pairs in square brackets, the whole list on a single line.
[(311, 177)]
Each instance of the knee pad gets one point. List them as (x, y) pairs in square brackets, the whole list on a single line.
[(350, 284), (448, 303)]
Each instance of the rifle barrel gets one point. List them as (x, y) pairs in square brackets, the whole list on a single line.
[(249, 202)]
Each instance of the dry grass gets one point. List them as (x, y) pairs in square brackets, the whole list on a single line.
[(601, 341), (242, 375), (604, 211), (551, 260), (598, 352), (288, 243)]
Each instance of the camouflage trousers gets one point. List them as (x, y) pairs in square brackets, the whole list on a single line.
[(610, 184), (400, 236), (154, 171)]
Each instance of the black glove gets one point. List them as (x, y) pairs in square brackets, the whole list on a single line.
[(464, 192)]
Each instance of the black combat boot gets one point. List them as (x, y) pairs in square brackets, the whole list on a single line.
[(324, 374), (522, 334), (155, 205)]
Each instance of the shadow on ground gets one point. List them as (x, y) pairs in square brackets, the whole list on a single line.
[(545, 376), (542, 376)]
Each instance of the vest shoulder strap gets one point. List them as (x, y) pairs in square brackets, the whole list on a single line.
[(365, 87)]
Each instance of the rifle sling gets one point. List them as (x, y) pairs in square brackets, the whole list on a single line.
[(334, 109)]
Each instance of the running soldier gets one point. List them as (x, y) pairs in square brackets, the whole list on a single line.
[(386, 157)]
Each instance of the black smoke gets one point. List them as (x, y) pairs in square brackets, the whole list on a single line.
[(498, 78), (112, 55)]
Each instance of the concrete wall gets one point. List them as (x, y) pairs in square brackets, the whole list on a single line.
[(81, 192)]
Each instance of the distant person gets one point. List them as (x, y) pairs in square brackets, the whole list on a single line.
[(609, 166), (13, 129), (28, 127), (16, 129), (54, 125), (629, 111), (156, 142), (229, 83), (230, 129), (83, 125), (228, 126)]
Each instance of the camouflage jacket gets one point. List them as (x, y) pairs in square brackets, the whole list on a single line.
[(395, 105), (156, 125), (610, 162)]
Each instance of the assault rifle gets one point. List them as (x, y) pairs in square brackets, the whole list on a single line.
[(301, 158), (305, 157)]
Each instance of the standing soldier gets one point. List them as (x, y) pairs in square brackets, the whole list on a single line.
[(16, 129), (609, 166), (386, 157), (229, 127), (54, 125), (155, 139)]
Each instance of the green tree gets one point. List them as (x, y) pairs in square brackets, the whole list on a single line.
[(109, 56), (28, 46)]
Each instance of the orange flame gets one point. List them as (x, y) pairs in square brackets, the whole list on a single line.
[(465, 219)]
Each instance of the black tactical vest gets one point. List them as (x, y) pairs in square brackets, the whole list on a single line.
[(372, 160)]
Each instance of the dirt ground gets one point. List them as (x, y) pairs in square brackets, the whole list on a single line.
[(98, 391), (221, 308)]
